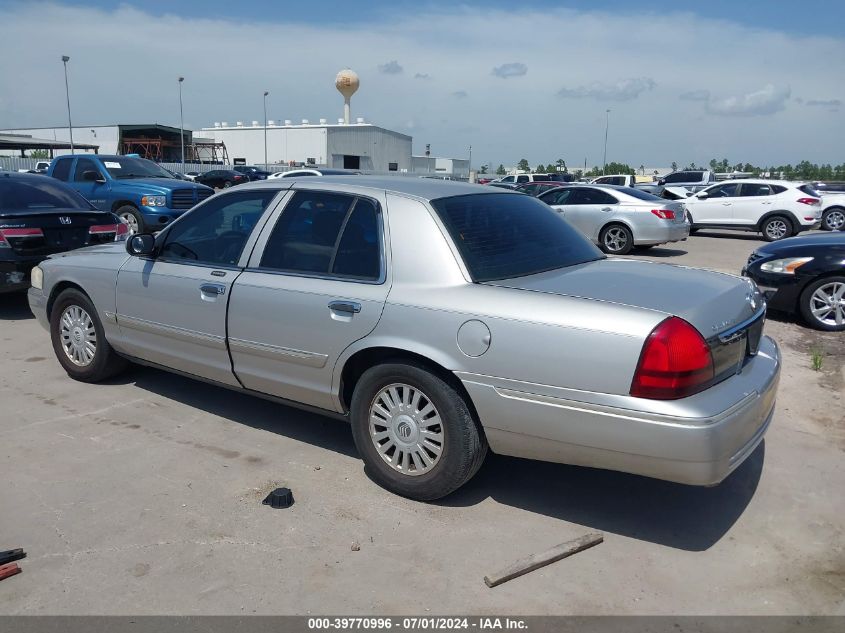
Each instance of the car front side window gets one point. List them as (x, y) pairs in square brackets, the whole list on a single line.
[(216, 232)]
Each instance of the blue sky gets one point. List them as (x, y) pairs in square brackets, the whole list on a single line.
[(751, 81)]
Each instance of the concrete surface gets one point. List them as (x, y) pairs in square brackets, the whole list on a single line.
[(143, 496)]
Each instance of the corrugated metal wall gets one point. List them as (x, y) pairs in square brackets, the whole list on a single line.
[(377, 147)]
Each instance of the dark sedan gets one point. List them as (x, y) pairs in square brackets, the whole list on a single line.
[(40, 216), (221, 178), (253, 173), (804, 275)]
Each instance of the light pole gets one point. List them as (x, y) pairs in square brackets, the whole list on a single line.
[(65, 60), (265, 130), (181, 124), (469, 170), (606, 125)]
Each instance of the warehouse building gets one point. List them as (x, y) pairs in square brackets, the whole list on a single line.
[(357, 145)]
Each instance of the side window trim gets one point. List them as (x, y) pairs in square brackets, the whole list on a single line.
[(254, 261)]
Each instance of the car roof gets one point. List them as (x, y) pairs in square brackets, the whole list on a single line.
[(25, 175), (423, 188)]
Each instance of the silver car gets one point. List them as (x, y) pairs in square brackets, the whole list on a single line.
[(619, 218), (439, 319)]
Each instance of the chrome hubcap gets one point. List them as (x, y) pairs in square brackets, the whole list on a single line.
[(777, 229), (828, 303), (131, 221), (615, 239), (406, 429), (836, 220), (78, 336)]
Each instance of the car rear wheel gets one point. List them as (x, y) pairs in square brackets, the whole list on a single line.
[(414, 431), (227, 184), (132, 217), (822, 304), (833, 219), (616, 239), (78, 339), (776, 228)]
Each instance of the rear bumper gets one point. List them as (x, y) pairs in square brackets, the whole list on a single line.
[(660, 234), (699, 440)]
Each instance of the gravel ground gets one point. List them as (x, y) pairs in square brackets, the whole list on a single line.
[(143, 496)]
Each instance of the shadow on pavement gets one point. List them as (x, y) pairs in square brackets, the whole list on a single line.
[(749, 236), (684, 517), (659, 252), (14, 307)]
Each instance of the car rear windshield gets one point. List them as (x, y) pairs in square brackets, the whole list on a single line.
[(501, 236), (29, 194)]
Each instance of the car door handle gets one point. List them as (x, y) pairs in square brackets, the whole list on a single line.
[(213, 289), (607, 209), (345, 306), (726, 204)]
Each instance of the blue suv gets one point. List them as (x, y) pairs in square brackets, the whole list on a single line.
[(137, 190)]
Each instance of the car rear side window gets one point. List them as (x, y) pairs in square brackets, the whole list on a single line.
[(588, 195), (216, 232), (326, 234), (62, 169), (501, 236), (755, 189)]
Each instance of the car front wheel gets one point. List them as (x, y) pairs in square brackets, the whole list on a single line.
[(833, 219), (414, 431), (78, 339), (822, 304)]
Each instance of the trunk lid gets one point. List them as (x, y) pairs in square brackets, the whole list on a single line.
[(60, 230)]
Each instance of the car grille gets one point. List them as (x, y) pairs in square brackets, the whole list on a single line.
[(187, 198), (753, 258)]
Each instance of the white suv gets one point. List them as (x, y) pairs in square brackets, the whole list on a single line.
[(775, 208)]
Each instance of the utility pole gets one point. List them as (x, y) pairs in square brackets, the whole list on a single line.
[(265, 130), (606, 126), (65, 60), (469, 170), (181, 124)]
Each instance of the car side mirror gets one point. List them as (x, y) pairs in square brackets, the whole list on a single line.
[(702, 195), (92, 176), (141, 244)]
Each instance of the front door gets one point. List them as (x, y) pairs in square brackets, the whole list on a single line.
[(717, 207), (97, 193), (171, 308), (316, 283)]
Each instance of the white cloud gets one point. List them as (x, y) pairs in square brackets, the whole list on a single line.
[(512, 69), (390, 68), (825, 102), (623, 90), (768, 100), (114, 78)]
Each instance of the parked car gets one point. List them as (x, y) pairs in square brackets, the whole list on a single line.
[(191, 175), (518, 179), (828, 186), (253, 173), (833, 211), (536, 188), (221, 178), (480, 318), (176, 174), (40, 168), (299, 173), (775, 208), (40, 216), (688, 178), (619, 218), (804, 275), (620, 180), (137, 190)]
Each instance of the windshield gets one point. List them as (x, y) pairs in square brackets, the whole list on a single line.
[(39, 194), (501, 236), (125, 167)]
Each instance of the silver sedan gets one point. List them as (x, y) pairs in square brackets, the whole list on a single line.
[(438, 319), (619, 218)]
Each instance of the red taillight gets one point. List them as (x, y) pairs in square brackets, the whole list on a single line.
[(119, 230), (6, 233), (675, 362), (809, 200), (664, 214)]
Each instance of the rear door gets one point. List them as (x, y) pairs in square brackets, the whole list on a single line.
[(753, 202), (171, 309), (316, 283), (589, 208)]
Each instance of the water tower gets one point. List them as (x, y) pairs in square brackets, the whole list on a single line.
[(347, 84)]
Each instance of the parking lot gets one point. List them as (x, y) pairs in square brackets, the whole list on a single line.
[(143, 495)]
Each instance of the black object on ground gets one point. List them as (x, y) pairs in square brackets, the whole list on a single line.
[(279, 498), (7, 556)]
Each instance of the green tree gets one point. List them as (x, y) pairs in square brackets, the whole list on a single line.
[(523, 164), (484, 168), (579, 173), (500, 170), (674, 166), (714, 165), (540, 169), (619, 168), (39, 153), (561, 165)]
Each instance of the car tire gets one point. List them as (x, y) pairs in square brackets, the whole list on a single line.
[(132, 217), (834, 219), (616, 239), (79, 341), (820, 295), (776, 227), (227, 184), (391, 436)]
